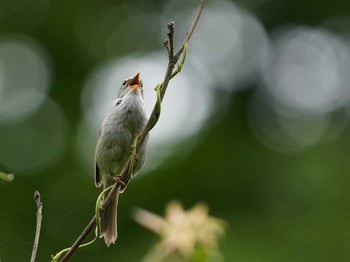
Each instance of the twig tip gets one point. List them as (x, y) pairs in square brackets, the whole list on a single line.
[(37, 199), (171, 25), (37, 196)]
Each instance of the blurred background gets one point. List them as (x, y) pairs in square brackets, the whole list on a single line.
[(256, 126)]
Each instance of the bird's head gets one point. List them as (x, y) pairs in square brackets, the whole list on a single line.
[(132, 84)]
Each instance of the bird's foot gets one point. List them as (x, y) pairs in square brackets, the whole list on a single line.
[(119, 179)]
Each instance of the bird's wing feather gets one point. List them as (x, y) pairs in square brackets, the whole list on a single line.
[(98, 179)]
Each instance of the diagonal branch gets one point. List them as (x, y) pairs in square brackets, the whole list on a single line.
[(192, 28), (152, 121)]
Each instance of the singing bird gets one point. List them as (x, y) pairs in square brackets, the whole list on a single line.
[(123, 122)]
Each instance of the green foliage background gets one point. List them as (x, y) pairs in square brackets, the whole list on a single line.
[(280, 207)]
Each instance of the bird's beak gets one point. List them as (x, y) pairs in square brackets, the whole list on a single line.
[(135, 82)]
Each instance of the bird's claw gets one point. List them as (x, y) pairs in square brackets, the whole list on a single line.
[(119, 179)]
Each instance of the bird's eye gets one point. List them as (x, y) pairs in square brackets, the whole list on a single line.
[(125, 82), (118, 102)]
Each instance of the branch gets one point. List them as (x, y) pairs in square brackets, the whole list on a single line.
[(192, 28), (152, 121), (39, 217)]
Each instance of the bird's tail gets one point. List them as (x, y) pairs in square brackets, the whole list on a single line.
[(109, 221)]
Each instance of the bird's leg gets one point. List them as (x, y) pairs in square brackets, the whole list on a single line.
[(119, 179)]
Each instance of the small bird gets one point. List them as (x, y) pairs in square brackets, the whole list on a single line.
[(123, 122)]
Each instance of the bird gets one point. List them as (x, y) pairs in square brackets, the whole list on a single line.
[(124, 121)]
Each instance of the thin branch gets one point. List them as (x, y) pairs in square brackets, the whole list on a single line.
[(173, 59), (39, 217), (90, 226), (192, 28), (170, 34), (79, 240)]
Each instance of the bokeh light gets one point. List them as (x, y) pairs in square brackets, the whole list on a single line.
[(305, 89), (308, 71), (29, 119), (230, 43), (25, 74), (35, 143)]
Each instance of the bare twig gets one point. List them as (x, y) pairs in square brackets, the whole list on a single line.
[(192, 28), (90, 226), (39, 217), (170, 34), (77, 242), (173, 59)]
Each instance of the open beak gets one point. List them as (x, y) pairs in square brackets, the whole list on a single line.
[(135, 82)]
